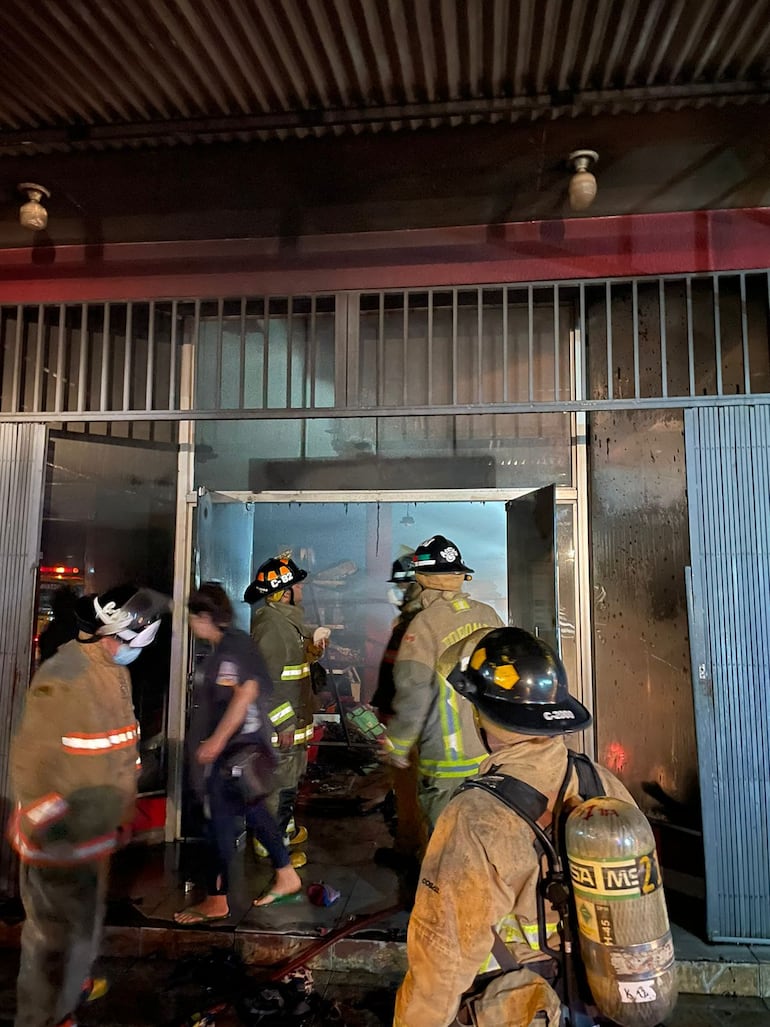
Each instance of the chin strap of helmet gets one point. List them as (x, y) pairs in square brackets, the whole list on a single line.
[(91, 638)]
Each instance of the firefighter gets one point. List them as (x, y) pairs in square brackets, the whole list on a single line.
[(409, 839), (481, 869), (405, 596), (281, 636), (74, 762), (427, 714)]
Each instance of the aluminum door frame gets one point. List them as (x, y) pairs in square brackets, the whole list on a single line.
[(23, 450), (187, 500)]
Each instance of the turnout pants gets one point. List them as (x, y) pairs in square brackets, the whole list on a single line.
[(60, 939), (410, 837), (291, 767), (434, 794)]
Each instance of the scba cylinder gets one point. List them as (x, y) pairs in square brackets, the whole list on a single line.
[(620, 908)]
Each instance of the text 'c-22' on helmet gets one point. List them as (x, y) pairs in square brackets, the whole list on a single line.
[(275, 575), (439, 555), (130, 613), (518, 683)]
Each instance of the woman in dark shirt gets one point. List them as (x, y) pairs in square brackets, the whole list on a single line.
[(230, 717)]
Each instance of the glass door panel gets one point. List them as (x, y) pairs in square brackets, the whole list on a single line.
[(533, 587), (223, 550), (108, 518)]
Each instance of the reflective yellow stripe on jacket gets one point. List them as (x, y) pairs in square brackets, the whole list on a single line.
[(295, 672), (96, 744), (280, 714), (301, 736), (513, 931), (455, 762)]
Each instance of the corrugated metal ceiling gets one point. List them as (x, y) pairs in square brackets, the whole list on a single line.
[(105, 73)]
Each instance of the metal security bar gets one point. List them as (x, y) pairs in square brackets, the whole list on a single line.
[(465, 347), (74, 362), (265, 353), (676, 341)]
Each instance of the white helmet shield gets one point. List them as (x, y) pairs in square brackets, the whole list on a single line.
[(140, 639)]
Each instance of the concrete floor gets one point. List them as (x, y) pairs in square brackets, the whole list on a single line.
[(150, 884)]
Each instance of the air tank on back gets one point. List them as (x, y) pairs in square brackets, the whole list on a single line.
[(625, 939)]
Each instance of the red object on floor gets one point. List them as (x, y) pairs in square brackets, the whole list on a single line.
[(312, 749), (150, 815)]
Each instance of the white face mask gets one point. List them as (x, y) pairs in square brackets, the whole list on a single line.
[(125, 655)]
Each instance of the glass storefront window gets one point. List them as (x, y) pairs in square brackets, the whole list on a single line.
[(466, 451)]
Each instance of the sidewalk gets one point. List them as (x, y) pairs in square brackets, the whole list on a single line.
[(148, 993)]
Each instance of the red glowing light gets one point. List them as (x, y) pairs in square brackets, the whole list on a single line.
[(617, 757)]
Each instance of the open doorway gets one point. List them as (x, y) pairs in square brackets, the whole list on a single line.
[(348, 548)]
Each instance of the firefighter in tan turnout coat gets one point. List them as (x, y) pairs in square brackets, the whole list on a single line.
[(481, 869), (428, 714), (74, 764)]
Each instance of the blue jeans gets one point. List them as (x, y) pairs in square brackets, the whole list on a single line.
[(225, 810)]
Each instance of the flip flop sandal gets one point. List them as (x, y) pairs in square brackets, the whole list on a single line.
[(198, 917), (272, 898)]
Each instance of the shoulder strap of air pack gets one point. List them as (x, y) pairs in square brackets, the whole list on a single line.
[(531, 805), (527, 801), (524, 800), (589, 783)]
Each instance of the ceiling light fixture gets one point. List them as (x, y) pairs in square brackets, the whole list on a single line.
[(582, 185), (32, 214)]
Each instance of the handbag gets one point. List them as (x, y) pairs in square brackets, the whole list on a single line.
[(318, 678), (248, 770)]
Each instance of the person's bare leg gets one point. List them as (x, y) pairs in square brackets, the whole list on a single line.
[(285, 883), (213, 907)]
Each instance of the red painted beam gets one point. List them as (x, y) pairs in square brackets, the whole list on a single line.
[(560, 250)]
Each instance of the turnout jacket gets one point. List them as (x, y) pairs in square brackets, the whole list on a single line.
[(481, 870), (280, 634), (382, 699), (428, 712), (74, 759)]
